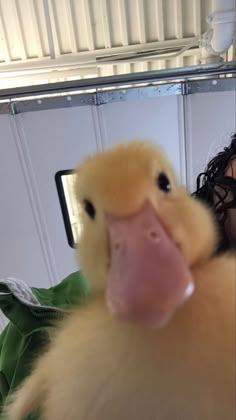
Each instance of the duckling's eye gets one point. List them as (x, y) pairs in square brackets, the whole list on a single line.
[(163, 182), (89, 208)]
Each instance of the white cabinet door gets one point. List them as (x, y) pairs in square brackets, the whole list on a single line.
[(55, 140), (21, 252), (157, 119), (210, 120)]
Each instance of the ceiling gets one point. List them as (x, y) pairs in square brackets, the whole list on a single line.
[(43, 41)]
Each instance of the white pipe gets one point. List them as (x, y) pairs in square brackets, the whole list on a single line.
[(89, 57), (222, 21)]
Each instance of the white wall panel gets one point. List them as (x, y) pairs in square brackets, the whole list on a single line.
[(55, 140), (157, 119), (210, 120), (21, 253)]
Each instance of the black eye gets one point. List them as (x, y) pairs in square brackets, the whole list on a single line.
[(163, 182), (89, 208)]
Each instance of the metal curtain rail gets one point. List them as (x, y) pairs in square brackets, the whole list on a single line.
[(119, 80), (19, 106)]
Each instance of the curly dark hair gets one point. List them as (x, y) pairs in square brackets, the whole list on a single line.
[(212, 177)]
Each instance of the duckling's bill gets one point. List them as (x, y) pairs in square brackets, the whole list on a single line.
[(148, 277)]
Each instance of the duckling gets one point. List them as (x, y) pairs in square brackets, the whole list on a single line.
[(156, 340)]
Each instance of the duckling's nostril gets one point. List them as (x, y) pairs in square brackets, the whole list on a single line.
[(154, 236), (117, 246)]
